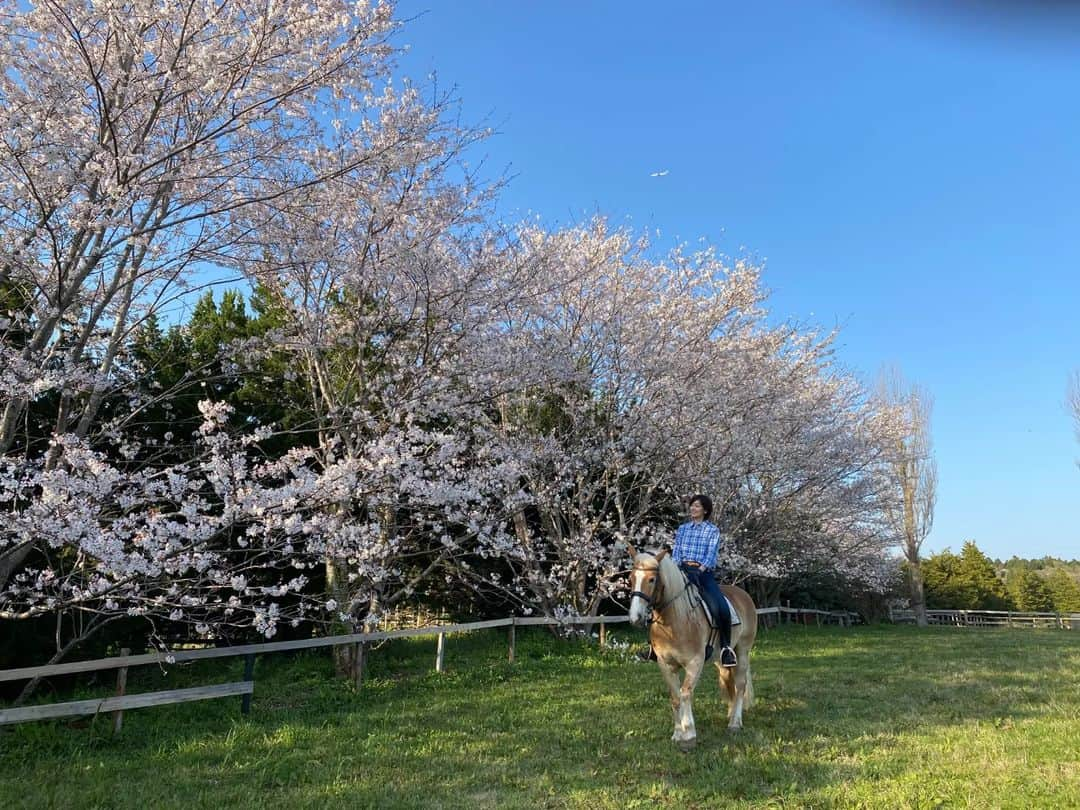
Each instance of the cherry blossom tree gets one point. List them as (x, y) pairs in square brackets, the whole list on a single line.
[(392, 294), (149, 147), (669, 380), (132, 134)]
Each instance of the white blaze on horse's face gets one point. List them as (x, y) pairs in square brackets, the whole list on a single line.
[(642, 580)]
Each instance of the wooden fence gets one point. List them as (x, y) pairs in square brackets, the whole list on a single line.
[(991, 618), (790, 615), (244, 688)]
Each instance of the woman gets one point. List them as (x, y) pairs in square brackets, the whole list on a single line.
[(696, 544)]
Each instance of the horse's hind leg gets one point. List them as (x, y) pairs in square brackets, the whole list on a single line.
[(741, 692)]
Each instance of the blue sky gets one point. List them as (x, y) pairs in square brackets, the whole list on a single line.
[(910, 177)]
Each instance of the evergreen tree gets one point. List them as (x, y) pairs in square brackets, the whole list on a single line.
[(1031, 593), (979, 580), (965, 581), (942, 582), (1064, 590)]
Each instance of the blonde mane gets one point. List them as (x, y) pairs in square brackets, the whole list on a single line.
[(677, 604)]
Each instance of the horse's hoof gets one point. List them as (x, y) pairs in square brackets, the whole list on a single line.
[(734, 730), (687, 746)]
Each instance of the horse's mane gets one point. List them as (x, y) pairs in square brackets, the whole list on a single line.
[(673, 586)]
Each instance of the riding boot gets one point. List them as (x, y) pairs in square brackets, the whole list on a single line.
[(727, 655)]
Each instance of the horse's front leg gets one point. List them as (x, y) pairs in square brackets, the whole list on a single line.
[(671, 678), (685, 730)]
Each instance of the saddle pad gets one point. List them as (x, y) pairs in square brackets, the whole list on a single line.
[(734, 613)]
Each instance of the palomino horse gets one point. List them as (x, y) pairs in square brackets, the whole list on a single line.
[(678, 631)]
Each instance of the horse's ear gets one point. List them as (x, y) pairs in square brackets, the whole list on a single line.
[(663, 553), (632, 551)]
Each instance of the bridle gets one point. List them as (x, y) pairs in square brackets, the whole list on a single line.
[(650, 599)]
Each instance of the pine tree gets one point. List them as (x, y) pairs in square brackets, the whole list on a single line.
[(978, 580), (940, 578), (1032, 593), (1064, 590)]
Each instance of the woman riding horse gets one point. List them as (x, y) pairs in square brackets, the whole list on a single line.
[(696, 544), (679, 633)]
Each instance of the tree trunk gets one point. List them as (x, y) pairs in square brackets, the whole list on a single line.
[(918, 595), (337, 586)]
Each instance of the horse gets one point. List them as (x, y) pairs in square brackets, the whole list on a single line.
[(678, 631)]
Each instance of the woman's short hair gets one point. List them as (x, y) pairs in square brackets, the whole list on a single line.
[(706, 504)]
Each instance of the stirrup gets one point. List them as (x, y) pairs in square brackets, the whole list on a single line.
[(728, 658)]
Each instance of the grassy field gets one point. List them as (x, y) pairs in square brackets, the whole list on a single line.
[(868, 717)]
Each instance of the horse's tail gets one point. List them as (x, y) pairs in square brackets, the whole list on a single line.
[(727, 682)]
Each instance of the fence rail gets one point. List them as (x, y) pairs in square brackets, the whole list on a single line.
[(992, 618), (109, 704), (162, 658), (249, 651)]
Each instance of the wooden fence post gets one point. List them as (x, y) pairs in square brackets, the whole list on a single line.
[(603, 634), (121, 688), (249, 675), (358, 664), (439, 648), (513, 638)]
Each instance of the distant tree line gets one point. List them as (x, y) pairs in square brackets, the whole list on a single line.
[(972, 581)]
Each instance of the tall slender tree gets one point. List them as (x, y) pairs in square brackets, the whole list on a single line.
[(1073, 401), (913, 474)]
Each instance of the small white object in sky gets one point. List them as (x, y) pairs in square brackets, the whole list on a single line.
[(659, 174)]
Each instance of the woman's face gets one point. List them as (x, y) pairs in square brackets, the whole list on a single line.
[(697, 511)]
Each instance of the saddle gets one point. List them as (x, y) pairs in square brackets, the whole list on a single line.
[(705, 605)]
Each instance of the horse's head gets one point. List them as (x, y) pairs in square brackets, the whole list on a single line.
[(645, 585)]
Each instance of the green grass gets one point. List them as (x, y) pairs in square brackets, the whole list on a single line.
[(867, 717)]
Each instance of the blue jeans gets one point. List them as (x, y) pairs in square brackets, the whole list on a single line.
[(718, 605)]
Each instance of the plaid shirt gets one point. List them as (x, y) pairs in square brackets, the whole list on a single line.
[(697, 542)]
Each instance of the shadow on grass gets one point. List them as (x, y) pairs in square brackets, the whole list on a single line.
[(564, 726)]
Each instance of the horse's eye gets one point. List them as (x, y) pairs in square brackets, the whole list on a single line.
[(652, 580)]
